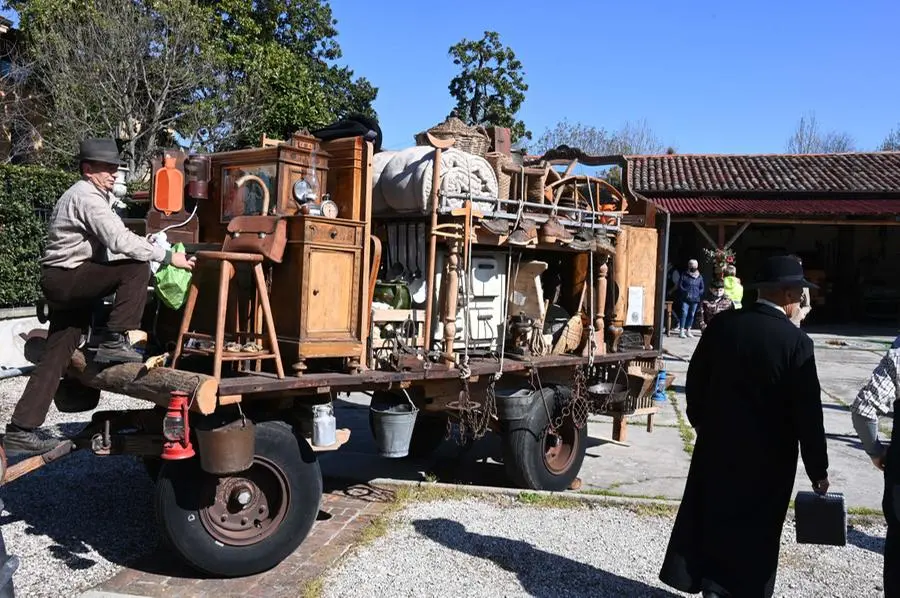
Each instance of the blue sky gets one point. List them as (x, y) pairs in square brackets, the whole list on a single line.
[(708, 77)]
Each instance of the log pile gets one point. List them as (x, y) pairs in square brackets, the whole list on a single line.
[(135, 380)]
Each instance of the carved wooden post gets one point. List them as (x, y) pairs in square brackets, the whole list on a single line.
[(620, 286), (600, 319), (450, 283)]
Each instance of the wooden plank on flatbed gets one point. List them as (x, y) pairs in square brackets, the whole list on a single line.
[(266, 383)]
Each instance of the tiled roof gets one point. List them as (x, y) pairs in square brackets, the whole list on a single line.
[(877, 172), (778, 207)]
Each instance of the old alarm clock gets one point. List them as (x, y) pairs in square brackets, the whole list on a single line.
[(329, 208)]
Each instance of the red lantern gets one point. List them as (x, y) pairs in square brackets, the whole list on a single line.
[(177, 429)]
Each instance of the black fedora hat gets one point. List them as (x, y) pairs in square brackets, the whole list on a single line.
[(781, 271), (99, 149)]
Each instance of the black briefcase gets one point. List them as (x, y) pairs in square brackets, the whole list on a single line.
[(820, 519)]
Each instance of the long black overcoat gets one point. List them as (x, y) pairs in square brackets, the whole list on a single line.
[(753, 396)]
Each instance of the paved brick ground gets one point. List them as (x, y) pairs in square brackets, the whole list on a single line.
[(346, 510)]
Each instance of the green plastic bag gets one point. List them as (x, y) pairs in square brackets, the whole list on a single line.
[(172, 283)]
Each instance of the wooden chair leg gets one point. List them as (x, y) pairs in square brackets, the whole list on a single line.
[(185, 320), (225, 272), (620, 428), (267, 316), (234, 300), (257, 325)]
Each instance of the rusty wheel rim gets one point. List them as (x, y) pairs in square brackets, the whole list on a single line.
[(249, 507), (559, 447)]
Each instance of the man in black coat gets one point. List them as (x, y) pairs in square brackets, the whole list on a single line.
[(752, 394)]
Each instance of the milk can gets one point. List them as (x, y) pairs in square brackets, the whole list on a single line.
[(324, 425)]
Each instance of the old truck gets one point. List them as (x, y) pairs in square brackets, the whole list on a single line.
[(516, 307)]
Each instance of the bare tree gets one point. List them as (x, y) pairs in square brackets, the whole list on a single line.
[(891, 143), (808, 138), (636, 138), (17, 103), (129, 70), (630, 139), (589, 139)]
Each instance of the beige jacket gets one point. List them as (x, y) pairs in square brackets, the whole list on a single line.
[(82, 227)]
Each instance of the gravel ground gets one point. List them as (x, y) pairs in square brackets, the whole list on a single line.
[(74, 523), (479, 548)]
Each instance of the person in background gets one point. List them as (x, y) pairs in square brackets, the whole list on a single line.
[(673, 276), (876, 398), (732, 284), (715, 305), (805, 305), (690, 292), (727, 534)]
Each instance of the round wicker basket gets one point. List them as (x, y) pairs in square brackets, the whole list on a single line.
[(473, 140)]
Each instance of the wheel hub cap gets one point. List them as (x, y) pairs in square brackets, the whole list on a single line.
[(246, 508)]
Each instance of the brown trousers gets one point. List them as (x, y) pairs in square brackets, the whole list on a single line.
[(71, 295)]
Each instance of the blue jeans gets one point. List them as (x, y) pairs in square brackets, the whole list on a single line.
[(688, 311)]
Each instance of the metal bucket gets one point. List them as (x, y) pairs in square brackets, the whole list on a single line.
[(513, 403), (608, 393), (393, 425), (229, 448)]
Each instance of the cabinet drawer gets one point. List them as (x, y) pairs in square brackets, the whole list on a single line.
[(330, 232)]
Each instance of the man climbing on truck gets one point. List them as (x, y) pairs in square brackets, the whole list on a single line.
[(74, 275)]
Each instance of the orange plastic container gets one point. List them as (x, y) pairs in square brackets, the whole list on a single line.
[(168, 187)]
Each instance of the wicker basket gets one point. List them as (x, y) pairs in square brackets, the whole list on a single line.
[(504, 179), (473, 140)]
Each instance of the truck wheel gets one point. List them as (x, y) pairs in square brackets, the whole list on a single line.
[(244, 524), (428, 432), (152, 465), (536, 457)]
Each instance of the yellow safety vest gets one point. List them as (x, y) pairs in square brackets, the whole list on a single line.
[(734, 290)]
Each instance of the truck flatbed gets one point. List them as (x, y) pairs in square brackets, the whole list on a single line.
[(478, 366)]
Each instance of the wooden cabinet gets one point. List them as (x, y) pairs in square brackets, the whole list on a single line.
[(317, 301)]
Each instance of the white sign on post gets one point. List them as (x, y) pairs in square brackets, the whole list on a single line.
[(634, 314)]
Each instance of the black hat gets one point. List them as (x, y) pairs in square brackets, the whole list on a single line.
[(717, 284), (781, 271), (99, 150)]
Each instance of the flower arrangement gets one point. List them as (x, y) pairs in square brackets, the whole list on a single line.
[(719, 259)]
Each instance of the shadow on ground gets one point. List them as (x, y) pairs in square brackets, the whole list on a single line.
[(538, 571), (865, 541)]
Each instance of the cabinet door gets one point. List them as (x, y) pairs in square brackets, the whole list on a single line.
[(331, 292)]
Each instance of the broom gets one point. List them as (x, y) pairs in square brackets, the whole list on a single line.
[(570, 338)]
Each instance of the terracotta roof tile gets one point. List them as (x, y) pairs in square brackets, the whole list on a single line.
[(876, 172), (712, 204)]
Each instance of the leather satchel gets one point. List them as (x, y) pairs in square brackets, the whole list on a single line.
[(263, 234), (266, 235), (820, 519)]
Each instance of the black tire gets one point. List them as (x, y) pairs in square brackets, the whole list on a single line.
[(152, 465), (186, 503), (528, 459), (429, 430)]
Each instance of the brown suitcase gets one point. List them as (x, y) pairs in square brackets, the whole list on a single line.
[(264, 234)]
